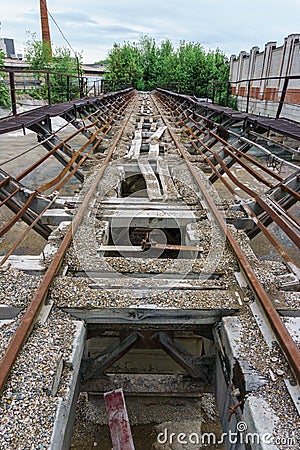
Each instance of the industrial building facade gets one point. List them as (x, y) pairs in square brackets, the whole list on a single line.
[(261, 80)]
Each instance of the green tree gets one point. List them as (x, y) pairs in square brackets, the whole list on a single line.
[(149, 61), (189, 69), (63, 63), (38, 53), (166, 63), (39, 57), (124, 64), (4, 92)]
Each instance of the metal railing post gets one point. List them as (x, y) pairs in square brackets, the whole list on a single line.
[(48, 88), (13, 93), (281, 101), (81, 87), (248, 96), (213, 92), (228, 93), (68, 88)]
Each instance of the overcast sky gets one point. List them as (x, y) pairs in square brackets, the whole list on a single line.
[(92, 26)]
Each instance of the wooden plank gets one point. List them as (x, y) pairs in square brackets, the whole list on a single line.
[(153, 188), (118, 420)]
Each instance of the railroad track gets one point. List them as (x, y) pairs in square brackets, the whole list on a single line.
[(148, 232)]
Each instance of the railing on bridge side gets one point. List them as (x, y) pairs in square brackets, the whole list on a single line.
[(269, 96), (99, 87), (50, 87)]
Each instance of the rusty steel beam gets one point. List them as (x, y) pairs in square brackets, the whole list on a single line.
[(109, 356), (118, 420), (284, 255), (294, 236), (19, 214), (27, 322), (184, 248), (286, 342), (45, 157), (197, 367), (12, 194), (4, 181), (228, 146), (105, 130)]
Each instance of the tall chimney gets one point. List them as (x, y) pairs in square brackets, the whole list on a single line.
[(45, 25)]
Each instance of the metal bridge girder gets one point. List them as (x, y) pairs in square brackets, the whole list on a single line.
[(48, 142)]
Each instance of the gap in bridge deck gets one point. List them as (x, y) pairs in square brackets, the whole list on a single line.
[(124, 238), (161, 397)]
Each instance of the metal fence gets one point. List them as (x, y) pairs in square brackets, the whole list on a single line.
[(51, 87), (249, 95)]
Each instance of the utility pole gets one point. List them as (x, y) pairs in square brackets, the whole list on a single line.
[(45, 26)]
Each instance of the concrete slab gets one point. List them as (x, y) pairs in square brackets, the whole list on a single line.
[(153, 151), (135, 148), (27, 263), (258, 423), (150, 217), (150, 316), (153, 188), (7, 313), (56, 216), (158, 133), (65, 413)]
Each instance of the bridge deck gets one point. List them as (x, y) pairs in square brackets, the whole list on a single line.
[(27, 119), (282, 126)]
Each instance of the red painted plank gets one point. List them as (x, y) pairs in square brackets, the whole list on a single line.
[(118, 420)]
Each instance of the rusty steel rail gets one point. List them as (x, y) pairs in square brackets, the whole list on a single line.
[(62, 178), (287, 344), (276, 217), (283, 254), (27, 322)]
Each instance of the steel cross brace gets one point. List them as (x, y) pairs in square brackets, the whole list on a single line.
[(107, 358), (197, 367)]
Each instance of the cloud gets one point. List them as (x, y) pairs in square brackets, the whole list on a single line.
[(71, 18), (93, 28)]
